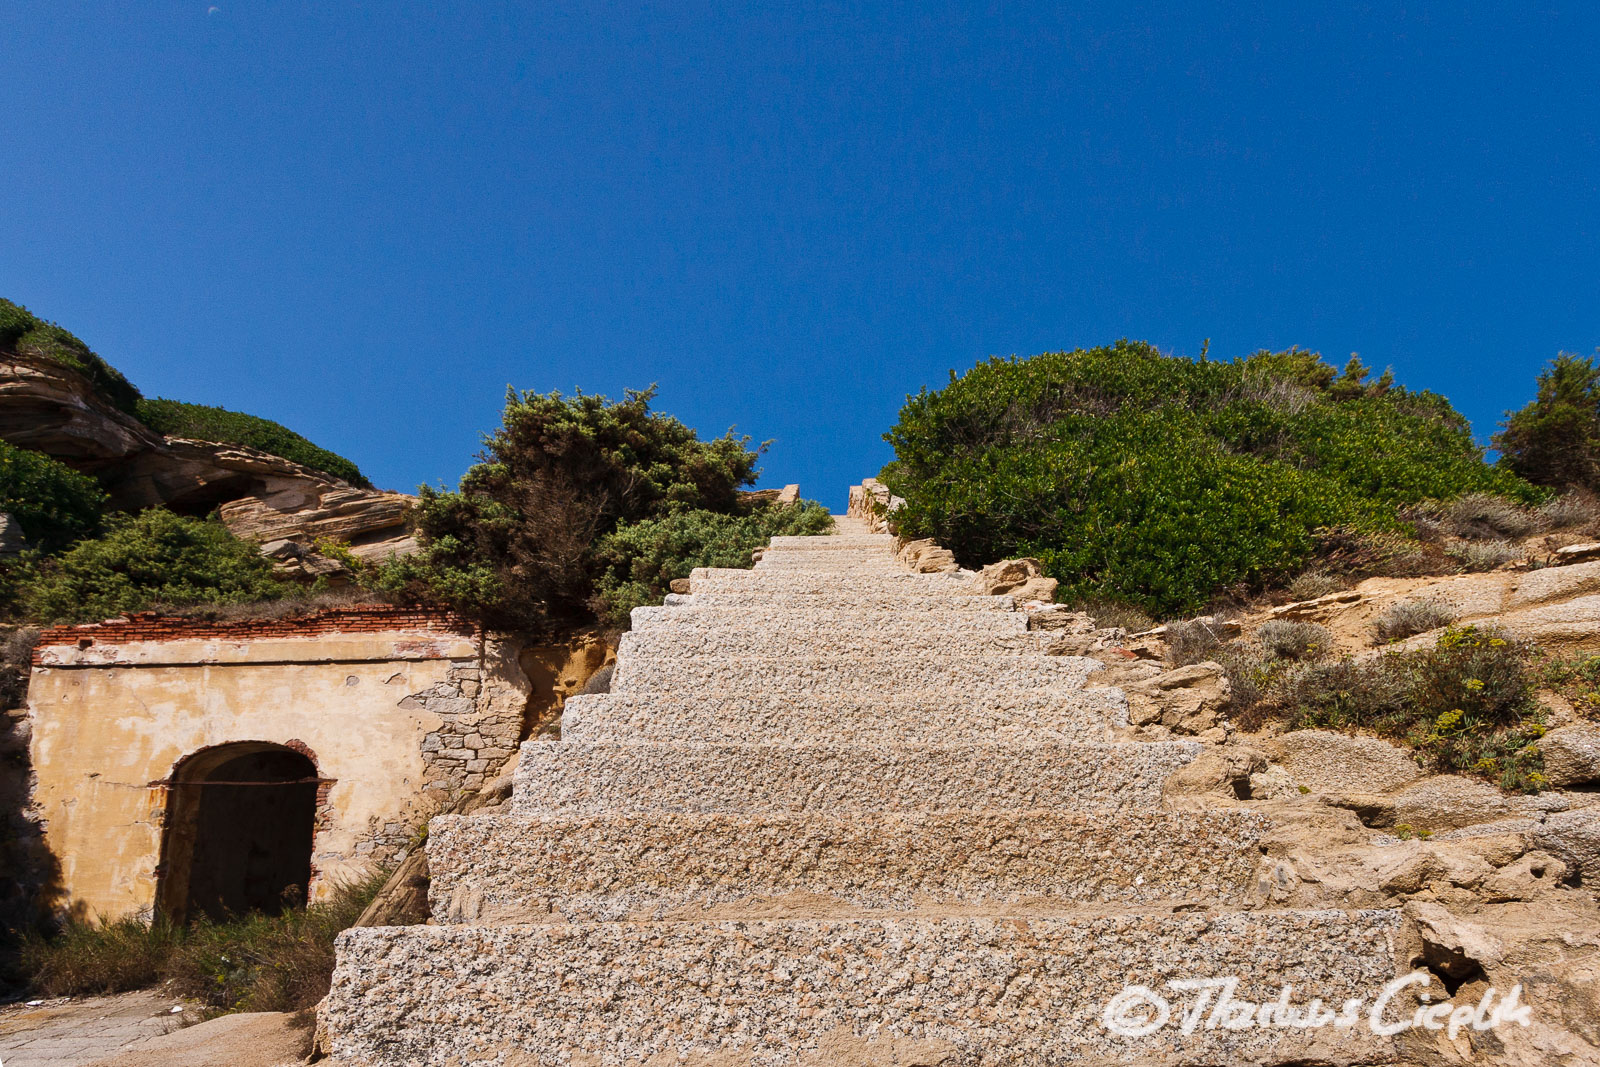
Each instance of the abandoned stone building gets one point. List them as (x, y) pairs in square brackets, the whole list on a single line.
[(189, 766)]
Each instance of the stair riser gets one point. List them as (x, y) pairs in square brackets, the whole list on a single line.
[(917, 628), (868, 601), (931, 718), (578, 778), (675, 643), (775, 577), (777, 586), (886, 674), (498, 869), (989, 992), (823, 543)]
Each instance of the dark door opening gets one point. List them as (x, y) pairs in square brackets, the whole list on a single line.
[(239, 832)]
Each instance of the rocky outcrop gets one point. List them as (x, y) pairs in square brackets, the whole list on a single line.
[(1189, 700), (1327, 762), (926, 557), (261, 497), (1023, 579), (1571, 755)]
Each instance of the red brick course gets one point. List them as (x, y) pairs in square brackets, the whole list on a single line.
[(150, 626)]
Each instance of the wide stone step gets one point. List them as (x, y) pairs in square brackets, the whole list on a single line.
[(906, 718), (826, 542), (577, 777), (863, 572), (699, 643), (718, 579), (960, 992), (885, 674), (694, 617), (880, 550), (690, 865), (865, 600)]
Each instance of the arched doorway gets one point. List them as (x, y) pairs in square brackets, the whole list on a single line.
[(240, 822)]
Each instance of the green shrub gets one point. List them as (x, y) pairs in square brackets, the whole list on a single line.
[(252, 963), (175, 418), (1555, 440), (54, 504), (26, 334), (638, 560), (147, 560), (1162, 481), (514, 544), (1466, 705)]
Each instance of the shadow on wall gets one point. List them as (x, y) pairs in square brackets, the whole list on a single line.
[(240, 826), (30, 877)]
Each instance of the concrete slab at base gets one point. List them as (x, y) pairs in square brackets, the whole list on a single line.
[(997, 992)]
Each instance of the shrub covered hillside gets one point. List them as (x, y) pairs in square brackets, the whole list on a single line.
[(175, 418), (25, 333), (1162, 482)]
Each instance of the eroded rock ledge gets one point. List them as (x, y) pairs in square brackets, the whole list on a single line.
[(263, 498)]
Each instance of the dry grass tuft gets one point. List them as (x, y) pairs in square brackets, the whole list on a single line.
[(1409, 618)]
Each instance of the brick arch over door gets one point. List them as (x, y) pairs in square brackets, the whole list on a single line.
[(239, 828)]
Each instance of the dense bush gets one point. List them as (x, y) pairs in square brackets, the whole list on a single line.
[(54, 504), (25, 333), (514, 545), (638, 560), (174, 418), (251, 963), (1555, 440), (145, 560), (1161, 481), (1464, 705)]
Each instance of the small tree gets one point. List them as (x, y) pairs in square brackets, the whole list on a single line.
[(1555, 440), (513, 545)]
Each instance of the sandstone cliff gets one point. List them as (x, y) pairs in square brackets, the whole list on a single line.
[(261, 497)]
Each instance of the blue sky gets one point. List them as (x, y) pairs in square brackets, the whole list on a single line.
[(365, 220)]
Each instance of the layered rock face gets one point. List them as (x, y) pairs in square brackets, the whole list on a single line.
[(261, 497), (833, 811)]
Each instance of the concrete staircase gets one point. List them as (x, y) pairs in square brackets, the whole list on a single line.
[(833, 812)]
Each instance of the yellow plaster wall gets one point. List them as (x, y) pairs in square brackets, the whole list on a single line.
[(103, 734)]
